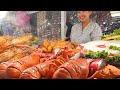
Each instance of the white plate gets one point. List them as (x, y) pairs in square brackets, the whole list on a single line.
[(93, 46)]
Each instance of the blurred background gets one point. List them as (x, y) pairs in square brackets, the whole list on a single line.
[(108, 20), (52, 24), (44, 24)]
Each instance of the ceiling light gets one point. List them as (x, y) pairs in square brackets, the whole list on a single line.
[(115, 13)]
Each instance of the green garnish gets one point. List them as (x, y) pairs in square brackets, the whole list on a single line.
[(34, 41), (98, 54), (102, 54), (114, 33), (114, 47)]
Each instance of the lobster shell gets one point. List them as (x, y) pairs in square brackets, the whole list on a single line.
[(17, 67), (43, 70), (74, 69), (3, 67)]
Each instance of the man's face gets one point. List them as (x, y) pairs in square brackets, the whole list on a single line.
[(84, 15)]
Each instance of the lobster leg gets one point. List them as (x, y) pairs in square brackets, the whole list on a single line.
[(66, 53)]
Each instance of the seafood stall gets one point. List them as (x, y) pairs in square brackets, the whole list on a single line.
[(35, 50)]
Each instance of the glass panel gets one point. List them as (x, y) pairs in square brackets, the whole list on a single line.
[(44, 24)]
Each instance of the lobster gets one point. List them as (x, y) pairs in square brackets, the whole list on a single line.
[(16, 67), (108, 72), (66, 53), (11, 56), (4, 65), (80, 68), (47, 69), (73, 69), (43, 70)]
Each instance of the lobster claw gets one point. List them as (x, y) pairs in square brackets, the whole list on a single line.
[(66, 53), (73, 54)]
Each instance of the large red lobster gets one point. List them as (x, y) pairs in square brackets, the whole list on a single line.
[(16, 68), (13, 69), (80, 69), (74, 69), (43, 70), (47, 69)]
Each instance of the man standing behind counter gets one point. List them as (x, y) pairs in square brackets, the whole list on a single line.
[(85, 31)]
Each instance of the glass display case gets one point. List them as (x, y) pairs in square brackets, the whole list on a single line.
[(33, 45)]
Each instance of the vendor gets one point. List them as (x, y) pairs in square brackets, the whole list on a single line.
[(87, 30)]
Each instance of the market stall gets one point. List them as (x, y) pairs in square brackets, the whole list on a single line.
[(42, 52)]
